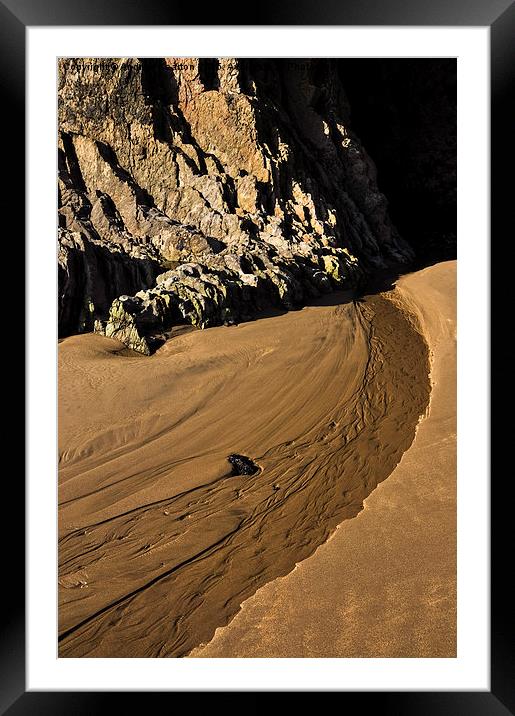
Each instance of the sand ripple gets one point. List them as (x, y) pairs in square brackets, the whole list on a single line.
[(159, 542)]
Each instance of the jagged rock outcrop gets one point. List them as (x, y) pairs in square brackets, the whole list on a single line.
[(92, 272), (204, 191)]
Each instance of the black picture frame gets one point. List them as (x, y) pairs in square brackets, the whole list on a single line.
[(499, 15)]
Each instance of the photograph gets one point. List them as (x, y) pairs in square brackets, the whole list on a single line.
[(260, 302), (257, 373)]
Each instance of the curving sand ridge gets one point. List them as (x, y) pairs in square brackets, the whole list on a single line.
[(159, 543), (384, 585)]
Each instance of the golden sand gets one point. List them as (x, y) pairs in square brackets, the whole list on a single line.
[(384, 585), (160, 545)]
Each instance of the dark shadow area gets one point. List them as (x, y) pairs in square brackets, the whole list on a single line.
[(208, 73), (157, 81), (161, 92), (404, 112), (96, 276)]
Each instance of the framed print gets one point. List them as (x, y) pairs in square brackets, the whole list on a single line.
[(258, 451)]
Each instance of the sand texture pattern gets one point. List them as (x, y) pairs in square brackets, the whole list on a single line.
[(384, 585), (160, 543)]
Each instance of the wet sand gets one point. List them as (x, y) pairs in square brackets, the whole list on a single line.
[(159, 544), (384, 585)]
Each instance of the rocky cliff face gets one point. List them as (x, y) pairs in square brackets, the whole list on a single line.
[(204, 191)]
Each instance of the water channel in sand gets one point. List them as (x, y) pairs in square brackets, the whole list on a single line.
[(159, 543)]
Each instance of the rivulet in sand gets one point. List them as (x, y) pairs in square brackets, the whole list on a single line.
[(159, 541)]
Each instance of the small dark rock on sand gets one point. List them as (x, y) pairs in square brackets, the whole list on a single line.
[(242, 465)]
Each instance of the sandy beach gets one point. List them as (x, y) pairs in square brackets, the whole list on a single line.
[(256, 398), (384, 585), (160, 544)]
